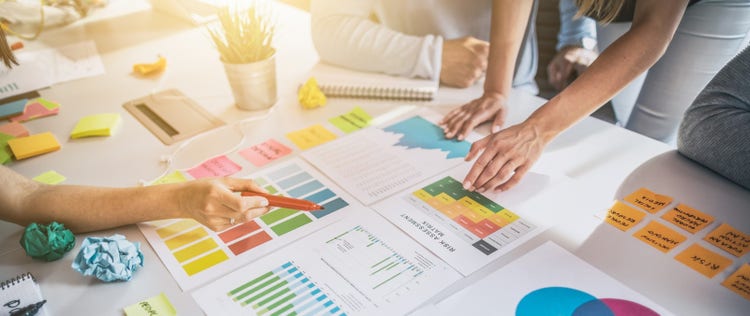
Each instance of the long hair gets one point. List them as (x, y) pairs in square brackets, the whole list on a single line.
[(603, 10)]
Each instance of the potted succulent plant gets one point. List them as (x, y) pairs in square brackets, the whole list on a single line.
[(243, 37)]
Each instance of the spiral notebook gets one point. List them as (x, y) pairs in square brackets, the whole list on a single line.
[(341, 82), (19, 292)]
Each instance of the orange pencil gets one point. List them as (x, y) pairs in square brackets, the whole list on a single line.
[(286, 202)]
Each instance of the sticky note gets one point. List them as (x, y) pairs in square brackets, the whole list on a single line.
[(311, 136), (739, 281), (263, 153), (659, 236), (310, 96), (174, 177), (12, 108), (155, 306), (14, 129), (145, 69), (216, 167), (648, 201), (37, 108), (704, 261), (30, 146), (50, 177), (5, 153), (352, 121), (688, 218), (623, 217), (730, 240), (96, 125)]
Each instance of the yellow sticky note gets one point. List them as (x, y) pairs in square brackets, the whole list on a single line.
[(648, 201), (30, 146), (730, 240), (659, 236), (311, 136), (355, 120), (704, 261), (50, 177), (96, 125), (147, 69), (174, 177), (310, 96), (688, 218), (739, 281), (623, 217), (155, 306)]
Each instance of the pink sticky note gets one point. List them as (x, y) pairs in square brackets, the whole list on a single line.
[(34, 110), (265, 152), (15, 129), (216, 167)]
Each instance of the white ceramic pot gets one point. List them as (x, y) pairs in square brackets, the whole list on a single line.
[(254, 84)]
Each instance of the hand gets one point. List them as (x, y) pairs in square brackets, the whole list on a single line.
[(462, 120), (213, 203), (464, 61), (505, 159), (569, 59)]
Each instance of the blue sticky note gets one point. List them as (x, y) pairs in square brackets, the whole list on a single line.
[(12, 108)]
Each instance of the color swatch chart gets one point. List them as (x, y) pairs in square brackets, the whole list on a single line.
[(479, 220), (285, 290), (194, 254)]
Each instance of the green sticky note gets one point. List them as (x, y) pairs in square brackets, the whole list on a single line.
[(50, 177), (352, 121), (5, 153), (174, 177), (156, 306), (47, 103), (96, 125)]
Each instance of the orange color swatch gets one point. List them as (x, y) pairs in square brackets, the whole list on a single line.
[(648, 201), (739, 281), (623, 217), (659, 236), (730, 240), (688, 218), (704, 261)]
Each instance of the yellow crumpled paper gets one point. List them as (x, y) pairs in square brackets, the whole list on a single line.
[(310, 96), (147, 69)]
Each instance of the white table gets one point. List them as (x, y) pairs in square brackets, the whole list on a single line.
[(596, 155)]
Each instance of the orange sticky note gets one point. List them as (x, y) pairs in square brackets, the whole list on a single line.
[(739, 281), (659, 236), (648, 201), (14, 129), (311, 136), (623, 217), (688, 218), (30, 146), (704, 261), (730, 240)]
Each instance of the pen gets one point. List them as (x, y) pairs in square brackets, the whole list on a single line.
[(287, 202), (29, 310)]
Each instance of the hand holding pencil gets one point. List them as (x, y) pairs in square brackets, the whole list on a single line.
[(286, 202)]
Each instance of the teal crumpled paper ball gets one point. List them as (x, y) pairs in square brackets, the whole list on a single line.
[(47, 242), (110, 259)]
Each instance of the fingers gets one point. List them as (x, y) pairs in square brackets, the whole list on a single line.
[(499, 120), (520, 172), (477, 169), (495, 175), (477, 147), (239, 185)]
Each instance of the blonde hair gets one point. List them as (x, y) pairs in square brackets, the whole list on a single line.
[(603, 10)]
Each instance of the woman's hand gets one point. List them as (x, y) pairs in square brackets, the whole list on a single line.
[(505, 158), (213, 203), (460, 121)]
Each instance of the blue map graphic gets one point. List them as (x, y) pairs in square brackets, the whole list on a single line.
[(421, 133)]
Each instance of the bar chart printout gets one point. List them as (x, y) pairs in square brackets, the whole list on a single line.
[(194, 254), (360, 265)]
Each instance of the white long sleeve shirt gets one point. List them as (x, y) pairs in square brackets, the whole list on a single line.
[(405, 37)]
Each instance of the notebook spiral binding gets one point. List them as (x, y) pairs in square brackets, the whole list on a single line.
[(375, 92), (18, 279)]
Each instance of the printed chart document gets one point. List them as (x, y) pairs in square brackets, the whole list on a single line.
[(376, 162), (361, 265), (469, 229), (549, 281), (194, 254)]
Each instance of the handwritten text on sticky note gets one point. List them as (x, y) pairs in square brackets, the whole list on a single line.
[(216, 167), (623, 217), (659, 236), (739, 281), (688, 218), (352, 121), (263, 153), (704, 261), (730, 239), (648, 201), (155, 306), (311, 136)]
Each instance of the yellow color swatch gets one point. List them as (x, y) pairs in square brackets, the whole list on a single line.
[(96, 125), (704, 261), (205, 262), (186, 238), (195, 250), (623, 217), (175, 228), (30, 146), (50, 177), (730, 240), (659, 236), (311, 136), (648, 201), (739, 281), (688, 218)]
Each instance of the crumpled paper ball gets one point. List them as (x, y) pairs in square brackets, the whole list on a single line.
[(110, 259), (47, 242), (310, 96)]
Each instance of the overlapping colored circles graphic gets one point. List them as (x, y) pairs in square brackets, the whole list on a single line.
[(566, 301)]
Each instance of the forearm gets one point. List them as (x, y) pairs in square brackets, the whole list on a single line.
[(509, 19)]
